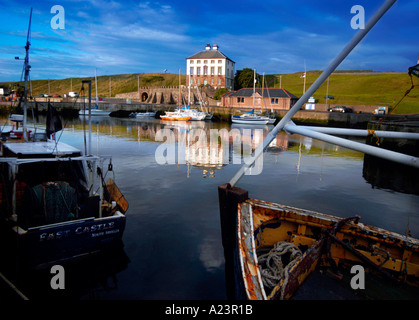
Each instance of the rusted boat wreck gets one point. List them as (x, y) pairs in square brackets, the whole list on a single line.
[(271, 249)]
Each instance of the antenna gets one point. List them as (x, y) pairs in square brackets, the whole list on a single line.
[(27, 67)]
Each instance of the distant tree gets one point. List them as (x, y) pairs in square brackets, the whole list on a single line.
[(220, 92), (244, 78)]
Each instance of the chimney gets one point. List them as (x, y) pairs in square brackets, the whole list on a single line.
[(208, 47), (215, 47)]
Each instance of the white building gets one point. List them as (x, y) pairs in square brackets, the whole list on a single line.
[(210, 67)]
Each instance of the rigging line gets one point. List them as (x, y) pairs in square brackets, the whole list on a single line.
[(398, 103), (84, 119), (65, 124)]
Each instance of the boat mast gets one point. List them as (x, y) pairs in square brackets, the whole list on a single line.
[(96, 88), (189, 90), (27, 68), (325, 74), (180, 92), (254, 86)]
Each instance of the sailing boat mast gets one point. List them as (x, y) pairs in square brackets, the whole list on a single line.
[(96, 88), (305, 76), (254, 86), (27, 68)]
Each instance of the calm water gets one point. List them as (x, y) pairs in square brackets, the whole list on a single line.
[(172, 237)]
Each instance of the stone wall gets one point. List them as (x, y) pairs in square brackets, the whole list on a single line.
[(167, 95)]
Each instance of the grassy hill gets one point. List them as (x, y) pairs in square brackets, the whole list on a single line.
[(347, 87), (119, 83), (361, 88)]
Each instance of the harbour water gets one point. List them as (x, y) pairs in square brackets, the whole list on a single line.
[(172, 241)]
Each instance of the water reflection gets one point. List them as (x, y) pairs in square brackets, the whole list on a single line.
[(172, 236), (88, 277)]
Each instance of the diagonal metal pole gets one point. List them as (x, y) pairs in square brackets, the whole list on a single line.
[(325, 74), (367, 149)]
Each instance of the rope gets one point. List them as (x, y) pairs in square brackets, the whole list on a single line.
[(412, 85), (275, 264)]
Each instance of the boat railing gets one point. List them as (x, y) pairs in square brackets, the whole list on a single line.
[(19, 161)]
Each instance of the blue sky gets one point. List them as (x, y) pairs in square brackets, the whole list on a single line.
[(272, 36)]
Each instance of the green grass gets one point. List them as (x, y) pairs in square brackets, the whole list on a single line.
[(119, 83), (361, 88), (348, 87)]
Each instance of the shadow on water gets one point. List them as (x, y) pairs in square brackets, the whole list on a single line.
[(83, 278)]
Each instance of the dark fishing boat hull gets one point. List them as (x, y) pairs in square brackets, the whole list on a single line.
[(43, 246)]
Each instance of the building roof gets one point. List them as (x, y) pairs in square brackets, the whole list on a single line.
[(273, 93), (209, 54)]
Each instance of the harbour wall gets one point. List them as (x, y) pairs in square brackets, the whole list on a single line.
[(123, 107)]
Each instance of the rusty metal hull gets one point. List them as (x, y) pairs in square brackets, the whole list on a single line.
[(325, 240)]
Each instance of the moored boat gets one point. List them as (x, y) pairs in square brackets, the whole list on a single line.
[(94, 111), (277, 247), (174, 117), (147, 114), (249, 119), (299, 241), (55, 204)]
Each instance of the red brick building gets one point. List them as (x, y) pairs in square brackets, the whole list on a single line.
[(276, 99)]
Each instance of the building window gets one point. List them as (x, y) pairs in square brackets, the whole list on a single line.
[(274, 101), (240, 99), (198, 61), (212, 81), (220, 61), (205, 61), (220, 70), (191, 71), (198, 71), (198, 82), (191, 61), (212, 61), (205, 70), (219, 82), (212, 71), (205, 82)]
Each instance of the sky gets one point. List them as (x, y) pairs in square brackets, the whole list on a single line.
[(272, 36)]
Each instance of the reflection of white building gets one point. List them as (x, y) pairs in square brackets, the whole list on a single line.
[(203, 154)]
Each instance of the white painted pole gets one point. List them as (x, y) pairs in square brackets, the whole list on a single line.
[(361, 147), (363, 133), (326, 73)]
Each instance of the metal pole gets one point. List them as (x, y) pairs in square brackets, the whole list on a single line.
[(327, 91), (367, 149), (90, 117), (27, 69), (326, 73), (362, 133), (89, 151)]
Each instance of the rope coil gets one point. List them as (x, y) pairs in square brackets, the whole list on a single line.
[(275, 264)]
